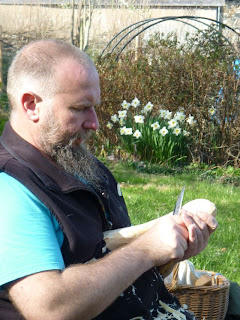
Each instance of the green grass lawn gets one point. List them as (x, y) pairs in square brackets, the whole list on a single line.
[(149, 196)]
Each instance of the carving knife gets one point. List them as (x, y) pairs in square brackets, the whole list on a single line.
[(166, 269), (178, 204)]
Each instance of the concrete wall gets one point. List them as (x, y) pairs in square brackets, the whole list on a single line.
[(26, 22), (23, 23)]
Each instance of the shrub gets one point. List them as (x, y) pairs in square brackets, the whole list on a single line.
[(3, 110), (198, 76)]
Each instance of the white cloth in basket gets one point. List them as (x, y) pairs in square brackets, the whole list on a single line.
[(186, 274)]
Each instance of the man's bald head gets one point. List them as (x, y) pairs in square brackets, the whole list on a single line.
[(34, 68)]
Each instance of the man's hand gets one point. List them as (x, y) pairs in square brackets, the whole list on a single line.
[(165, 241), (177, 237), (200, 226)]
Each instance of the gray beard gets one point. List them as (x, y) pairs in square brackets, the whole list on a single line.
[(77, 161)]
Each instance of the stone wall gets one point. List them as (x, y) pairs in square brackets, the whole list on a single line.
[(22, 23), (41, 22), (231, 15)]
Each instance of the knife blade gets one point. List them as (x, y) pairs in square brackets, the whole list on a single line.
[(178, 204)]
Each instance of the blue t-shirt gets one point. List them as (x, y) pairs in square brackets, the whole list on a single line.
[(30, 237)]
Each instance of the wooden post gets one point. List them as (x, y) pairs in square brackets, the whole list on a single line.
[(1, 64), (72, 30)]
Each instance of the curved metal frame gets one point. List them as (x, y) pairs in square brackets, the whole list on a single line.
[(156, 21)]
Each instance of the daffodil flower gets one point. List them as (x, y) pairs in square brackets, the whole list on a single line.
[(122, 113), (148, 107), (109, 125), (135, 103), (114, 118), (139, 119), (137, 134), (123, 130), (172, 123), (125, 104), (180, 116), (128, 131), (190, 120), (168, 115), (155, 125), (163, 131), (212, 111), (177, 131), (121, 122), (163, 113)]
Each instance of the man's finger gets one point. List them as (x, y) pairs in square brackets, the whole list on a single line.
[(208, 219)]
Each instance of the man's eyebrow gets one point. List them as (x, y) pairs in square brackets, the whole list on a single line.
[(80, 105)]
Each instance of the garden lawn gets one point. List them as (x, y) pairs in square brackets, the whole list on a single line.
[(149, 196)]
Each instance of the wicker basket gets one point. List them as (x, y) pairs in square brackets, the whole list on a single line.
[(206, 302)]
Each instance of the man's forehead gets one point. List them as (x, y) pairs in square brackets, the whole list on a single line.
[(78, 74), (74, 66)]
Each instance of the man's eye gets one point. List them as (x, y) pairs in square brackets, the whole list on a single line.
[(75, 109)]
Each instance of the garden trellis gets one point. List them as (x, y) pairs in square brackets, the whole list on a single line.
[(124, 38)]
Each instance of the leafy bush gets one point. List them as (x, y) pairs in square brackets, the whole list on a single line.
[(198, 76), (2, 123), (3, 110)]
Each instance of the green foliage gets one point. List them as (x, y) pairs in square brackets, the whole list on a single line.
[(197, 76), (4, 113), (3, 102), (2, 123)]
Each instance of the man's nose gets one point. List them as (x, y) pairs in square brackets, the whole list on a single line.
[(91, 121)]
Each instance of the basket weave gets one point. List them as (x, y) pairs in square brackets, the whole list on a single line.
[(206, 302)]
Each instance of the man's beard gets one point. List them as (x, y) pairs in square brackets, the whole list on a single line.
[(74, 159)]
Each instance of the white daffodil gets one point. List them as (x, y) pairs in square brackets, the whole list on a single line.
[(163, 131), (168, 115), (172, 123), (212, 111), (180, 116), (128, 131), (121, 122), (114, 118), (139, 119), (137, 134), (125, 105), (177, 131), (190, 120), (123, 130), (155, 125), (186, 133), (135, 103), (109, 125), (122, 113), (163, 113), (148, 107)]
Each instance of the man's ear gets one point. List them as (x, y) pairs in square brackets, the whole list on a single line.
[(30, 106)]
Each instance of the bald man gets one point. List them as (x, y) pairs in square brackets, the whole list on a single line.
[(57, 200)]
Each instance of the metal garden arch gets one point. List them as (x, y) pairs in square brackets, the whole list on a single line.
[(120, 41)]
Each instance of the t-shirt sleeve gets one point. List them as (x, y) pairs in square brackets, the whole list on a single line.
[(30, 237)]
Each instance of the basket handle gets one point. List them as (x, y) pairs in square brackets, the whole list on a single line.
[(174, 283)]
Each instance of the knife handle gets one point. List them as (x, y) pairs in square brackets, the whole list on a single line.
[(166, 268)]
